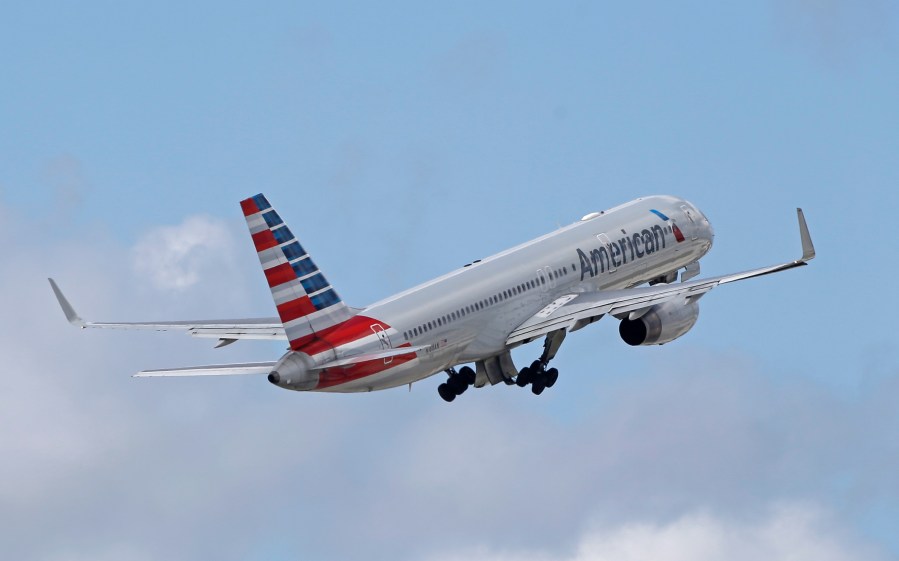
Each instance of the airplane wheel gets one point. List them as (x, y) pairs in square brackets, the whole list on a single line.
[(524, 377), (551, 376), (446, 393), (536, 366), (457, 385), (538, 386), (467, 374)]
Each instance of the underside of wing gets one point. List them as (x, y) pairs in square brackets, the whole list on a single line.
[(573, 311), (227, 330)]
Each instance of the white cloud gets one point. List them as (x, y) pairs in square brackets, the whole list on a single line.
[(788, 532), (174, 257)]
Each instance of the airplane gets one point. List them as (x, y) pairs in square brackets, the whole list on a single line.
[(635, 262)]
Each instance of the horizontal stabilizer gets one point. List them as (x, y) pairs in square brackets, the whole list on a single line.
[(211, 370)]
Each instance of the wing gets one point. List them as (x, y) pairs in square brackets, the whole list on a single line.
[(573, 311), (226, 330)]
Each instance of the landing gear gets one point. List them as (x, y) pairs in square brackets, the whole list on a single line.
[(499, 368), (537, 375), (551, 376), (446, 393), (456, 384)]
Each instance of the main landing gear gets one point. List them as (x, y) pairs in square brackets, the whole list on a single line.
[(500, 368), (537, 375), (457, 383)]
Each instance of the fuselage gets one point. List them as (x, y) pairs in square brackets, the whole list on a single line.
[(468, 314)]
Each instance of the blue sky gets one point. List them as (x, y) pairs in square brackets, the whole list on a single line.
[(400, 141)]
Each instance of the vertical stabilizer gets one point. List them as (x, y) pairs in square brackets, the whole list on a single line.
[(306, 302)]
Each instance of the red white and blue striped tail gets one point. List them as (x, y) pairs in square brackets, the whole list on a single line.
[(305, 300)]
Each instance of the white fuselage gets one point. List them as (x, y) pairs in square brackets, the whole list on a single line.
[(468, 314)]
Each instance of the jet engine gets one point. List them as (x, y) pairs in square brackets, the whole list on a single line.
[(294, 372), (662, 324)]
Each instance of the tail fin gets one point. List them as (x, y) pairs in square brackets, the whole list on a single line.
[(305, 300)]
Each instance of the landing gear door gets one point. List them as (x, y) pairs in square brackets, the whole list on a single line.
[(383, 339)]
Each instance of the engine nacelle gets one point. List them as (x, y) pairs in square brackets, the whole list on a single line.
[(662, 324), (294, 372)]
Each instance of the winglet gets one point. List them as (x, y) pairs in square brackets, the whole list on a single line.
[(67, 308), (808, 249)]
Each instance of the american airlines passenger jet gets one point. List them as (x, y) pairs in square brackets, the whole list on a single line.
[(544, 288)]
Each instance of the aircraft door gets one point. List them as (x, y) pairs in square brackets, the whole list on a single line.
[(543, 280), (551, 281), (383, 339), (607, 243)]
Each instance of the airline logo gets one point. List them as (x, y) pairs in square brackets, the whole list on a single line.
[(299, 289), (678, 235), (610, 256)]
